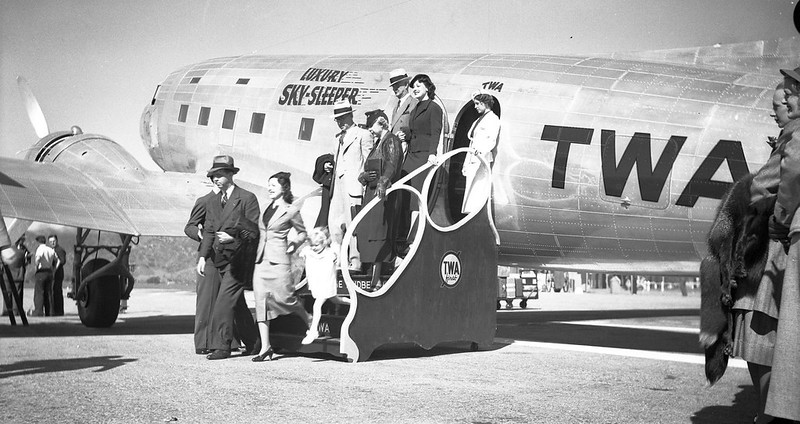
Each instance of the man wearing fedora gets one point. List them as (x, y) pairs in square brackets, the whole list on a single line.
[(231, 226), (401, 105), (353, 145)]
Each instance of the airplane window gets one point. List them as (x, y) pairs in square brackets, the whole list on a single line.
[(194, 80), (257, 123), (182, 113), (306, 128), (228, 119), (243, 81), (203, 118)]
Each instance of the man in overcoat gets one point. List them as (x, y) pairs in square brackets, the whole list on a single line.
[(231, 227)]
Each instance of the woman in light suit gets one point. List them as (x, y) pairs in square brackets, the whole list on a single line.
[(273, 287), (483, 139)]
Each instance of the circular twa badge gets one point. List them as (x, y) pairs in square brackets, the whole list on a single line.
[(450, 269)]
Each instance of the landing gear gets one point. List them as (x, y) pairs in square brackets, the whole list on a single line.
[(97, 286)]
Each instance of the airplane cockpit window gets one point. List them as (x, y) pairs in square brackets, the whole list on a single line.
[(194, 80), (242, 81), (203, 118), (182, 113), (228, 119), (306, 128), (257, 123)]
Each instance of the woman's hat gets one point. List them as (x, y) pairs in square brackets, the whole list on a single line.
[(342, 108), (222, 162)]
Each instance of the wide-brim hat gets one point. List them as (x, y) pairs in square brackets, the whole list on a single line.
[(792, 73), (397, 76), (222, 162), (342, 108)]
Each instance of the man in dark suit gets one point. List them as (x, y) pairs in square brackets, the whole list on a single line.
[(401, 106), (208, 285), (231, 227)]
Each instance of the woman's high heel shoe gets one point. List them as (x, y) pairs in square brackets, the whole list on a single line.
[(266, 356)]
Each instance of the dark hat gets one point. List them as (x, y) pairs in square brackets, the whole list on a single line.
[(792, 73), (342, 108), (222, 162), (397, 76), (373, 116)]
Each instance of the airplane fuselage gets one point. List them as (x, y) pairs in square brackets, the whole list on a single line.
[(602, 164)]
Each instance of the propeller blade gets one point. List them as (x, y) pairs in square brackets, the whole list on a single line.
[(32, 106)]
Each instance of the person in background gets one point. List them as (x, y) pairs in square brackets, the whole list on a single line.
[(483, 139), (230, 226), (381, 169), (57, 296), (353, 145), (45, 262), (273, 287), (323, 175), (18, 267), (8, 251)]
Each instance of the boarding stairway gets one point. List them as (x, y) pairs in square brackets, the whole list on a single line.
[(444, 290)]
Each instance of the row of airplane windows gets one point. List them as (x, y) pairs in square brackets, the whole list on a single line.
[(257, 120)]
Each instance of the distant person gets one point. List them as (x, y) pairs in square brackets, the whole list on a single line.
[(352, 147), (18, 267), (45, 262), (400, 106), (323, 175), (483, 137), (320, 265), (8, 252), (57, 298), (208, 285), (273, 287), (381, 169), (768, 323), (230, 226)]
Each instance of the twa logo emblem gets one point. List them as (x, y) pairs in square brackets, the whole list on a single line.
[(450, 269)]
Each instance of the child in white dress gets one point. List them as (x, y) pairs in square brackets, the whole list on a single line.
[(321, 275)]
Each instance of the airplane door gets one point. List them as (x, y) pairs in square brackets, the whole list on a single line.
[(457, 182)]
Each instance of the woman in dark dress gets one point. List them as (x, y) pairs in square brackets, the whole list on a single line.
[(425, 128), (381, 169)]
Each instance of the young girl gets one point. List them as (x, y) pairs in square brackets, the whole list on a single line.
[(321, 275)]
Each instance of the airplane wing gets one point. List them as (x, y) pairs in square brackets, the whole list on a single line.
[(147, 204)]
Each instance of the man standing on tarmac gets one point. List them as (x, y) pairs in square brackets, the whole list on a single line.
[(231, 226), (45, 262), (57, 296), (208, 284)]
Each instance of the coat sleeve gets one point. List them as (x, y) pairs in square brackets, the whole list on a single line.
[(196, 218), (436, 126), (299, 227), (251, 212), (789, 186)]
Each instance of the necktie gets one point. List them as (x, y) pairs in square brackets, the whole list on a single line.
[(224, 198)]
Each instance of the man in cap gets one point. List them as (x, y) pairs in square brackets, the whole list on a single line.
[(353, 145), (7, 250), (401, 105), (779, 181), (231, 224)]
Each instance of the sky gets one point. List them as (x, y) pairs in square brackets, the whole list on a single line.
[(96, 63)]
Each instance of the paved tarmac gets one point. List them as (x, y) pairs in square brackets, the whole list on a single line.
[(577, 358)]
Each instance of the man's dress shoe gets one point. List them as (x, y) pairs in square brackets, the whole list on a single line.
[(219, 354), (202, 351)]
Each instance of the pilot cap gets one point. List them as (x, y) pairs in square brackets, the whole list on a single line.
[(397, 76), (222, 162), (792, 73), (342, 108)]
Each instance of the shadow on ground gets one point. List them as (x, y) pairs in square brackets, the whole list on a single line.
[(564, 327), (103, 363), (70, 326), (741, 411)]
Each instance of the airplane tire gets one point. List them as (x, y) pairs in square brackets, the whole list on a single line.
[(98, 306)]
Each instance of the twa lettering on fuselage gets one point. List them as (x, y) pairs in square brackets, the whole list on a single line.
[(638, 152)]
